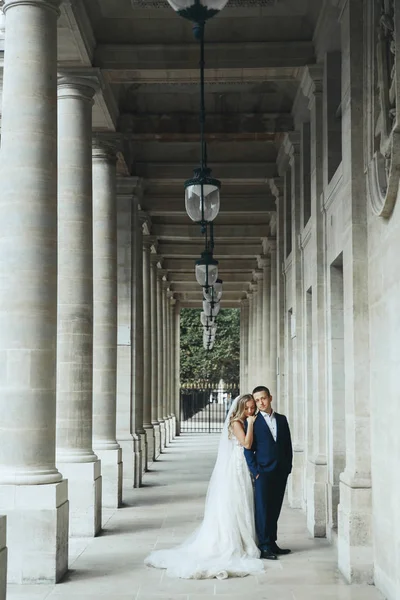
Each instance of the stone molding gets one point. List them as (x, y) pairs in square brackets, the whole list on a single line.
[(53, 5), (104, 150), (382, 73)]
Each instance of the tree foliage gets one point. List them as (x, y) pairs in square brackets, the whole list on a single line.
[(220, 362)]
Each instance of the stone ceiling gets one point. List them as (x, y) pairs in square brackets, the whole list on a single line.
[(147, 60)]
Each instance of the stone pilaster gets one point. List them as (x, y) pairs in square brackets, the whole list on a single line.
[(259, 337), (160, 360), (244, 321), (317, 459), (147, 339), (264, 263), (75, 306), (105, 322), (166, 415), (177, 326), (139, 435), (273, 316), (154, 259), (355, 548), (250, 379), (33, 495)]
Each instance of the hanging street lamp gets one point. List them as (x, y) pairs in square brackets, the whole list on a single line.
[(214, 292), (206, 269)]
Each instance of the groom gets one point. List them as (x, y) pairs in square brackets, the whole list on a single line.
[(270, 462)]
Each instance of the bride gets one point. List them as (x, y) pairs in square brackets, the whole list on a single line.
[(225, 543)]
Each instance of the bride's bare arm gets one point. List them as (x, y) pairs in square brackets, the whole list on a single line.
[(245, 439)]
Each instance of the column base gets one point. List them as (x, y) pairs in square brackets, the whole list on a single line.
[(163, 435), (144, 450), (333, 497), (157, 440), (296, 480), (111, 476), (127, 460), (316, 498), (167, 431), (150, 444), (3, 557), (37, 532), (137, 461), (355, 551), (173, 419), (85, 489)]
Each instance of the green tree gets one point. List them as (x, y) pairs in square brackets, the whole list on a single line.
[(220, 362)]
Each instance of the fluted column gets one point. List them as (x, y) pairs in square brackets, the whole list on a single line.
[(273, 322), (244, 320), (160, 359), (250, 342), (75, 306), (28, 296), (259, 334), (154, 365), (147, 416), (105, 322), (140, 444), (177, 325)]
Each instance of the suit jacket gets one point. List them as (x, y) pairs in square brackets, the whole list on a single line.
[(266, 454)]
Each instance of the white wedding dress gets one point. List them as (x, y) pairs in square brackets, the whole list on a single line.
[(224, 544)]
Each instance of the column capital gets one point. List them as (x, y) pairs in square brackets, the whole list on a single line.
[(269, 246), (75, 86), (156, 259), (312, 81), (46, 4), (257, 274), (104, 150), (244, 302), (162, 273), (148, 241), (253, 286)]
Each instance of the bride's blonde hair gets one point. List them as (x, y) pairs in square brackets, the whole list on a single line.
[(239, 414)]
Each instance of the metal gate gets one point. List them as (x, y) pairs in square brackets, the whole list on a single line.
[(204, 406)]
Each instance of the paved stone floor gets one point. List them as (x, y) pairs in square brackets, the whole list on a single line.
[(161, 514)]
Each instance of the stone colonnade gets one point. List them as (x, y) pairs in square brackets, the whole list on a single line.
[(85, 385)]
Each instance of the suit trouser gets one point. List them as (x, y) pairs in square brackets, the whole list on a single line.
[(269, 493)]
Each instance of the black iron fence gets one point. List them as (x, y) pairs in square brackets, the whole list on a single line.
[(204, 406)]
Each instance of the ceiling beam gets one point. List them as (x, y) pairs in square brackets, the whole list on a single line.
[(173, 232), (197, 295), (182, 277), (186, 265), (237, 287), (193, 251), (131, 58), (197, 303), (158, 206), (243, 171), (185, 127)]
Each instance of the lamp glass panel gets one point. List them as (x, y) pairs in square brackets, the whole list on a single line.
[(201, 274), (193, 202)]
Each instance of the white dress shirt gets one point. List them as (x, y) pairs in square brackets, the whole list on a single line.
[(271, 422)]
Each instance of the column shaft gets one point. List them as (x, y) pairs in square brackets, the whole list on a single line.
[(105, 322), (147, 416), (273, 323), (137, 346), (172, 365), (154, 366), (75, 306), (37, 516), (160, 360), (177, 366)]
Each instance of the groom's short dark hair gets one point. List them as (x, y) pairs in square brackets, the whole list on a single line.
[(261, 388)]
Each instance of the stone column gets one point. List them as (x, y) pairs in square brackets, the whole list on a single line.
[(3, 555), (75, 306), (264, 263), (165, 363), (177, 324), (255, 326), (140, 443), (172, 365), (273, 317), (355, 523), (33, 494), (147, 414), (160, 360), (105, 322), (244, 319), (154, 365), (259, 338), (250, 342), (126, 188)]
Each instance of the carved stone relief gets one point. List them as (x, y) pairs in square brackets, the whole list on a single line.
[(383, 136)]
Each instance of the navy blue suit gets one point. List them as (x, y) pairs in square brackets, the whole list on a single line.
[(272, 462)]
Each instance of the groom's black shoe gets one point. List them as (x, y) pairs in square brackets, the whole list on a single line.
[(276, 550), (268, 554)]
